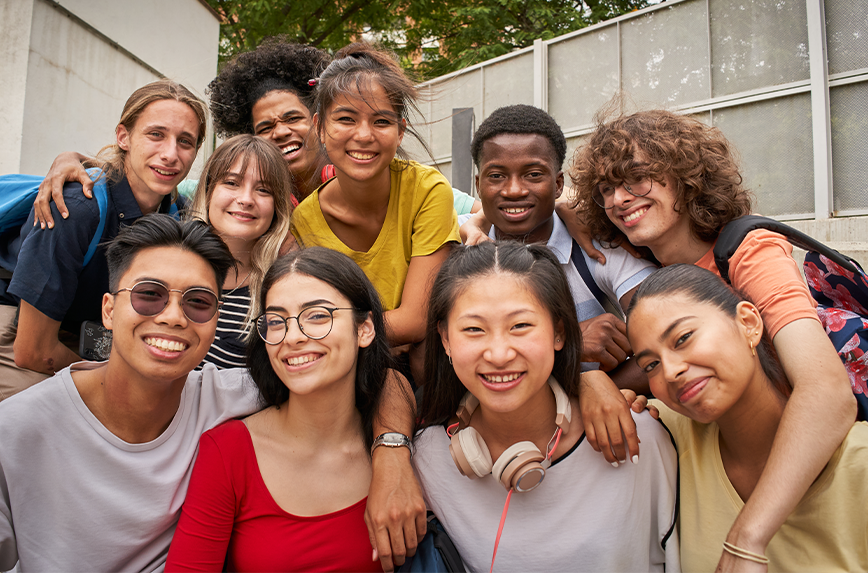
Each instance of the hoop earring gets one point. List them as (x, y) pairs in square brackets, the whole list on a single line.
[(752, 349)]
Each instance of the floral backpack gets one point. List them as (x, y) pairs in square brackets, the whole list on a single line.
[(837, 283)]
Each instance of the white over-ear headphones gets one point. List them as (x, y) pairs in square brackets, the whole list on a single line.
[(521, 466)]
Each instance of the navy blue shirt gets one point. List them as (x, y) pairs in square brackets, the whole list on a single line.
[(48, 263)]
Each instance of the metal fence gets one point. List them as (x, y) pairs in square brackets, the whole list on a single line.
[(785, 80)]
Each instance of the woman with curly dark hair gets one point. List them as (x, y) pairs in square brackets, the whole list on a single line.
[(269, 92), (670, 183)]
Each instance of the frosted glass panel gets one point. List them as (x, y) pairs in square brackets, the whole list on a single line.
[(461, 91), (664, 55), (847, 35), (757, 43), (583, 75), (773, 139), (508, 82), (849, 142)]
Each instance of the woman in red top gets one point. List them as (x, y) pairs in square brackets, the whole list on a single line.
[(285, 489)]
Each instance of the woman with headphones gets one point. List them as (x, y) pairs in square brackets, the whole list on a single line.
[(500, 408)]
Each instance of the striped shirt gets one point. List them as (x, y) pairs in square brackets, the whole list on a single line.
[(229, 346)]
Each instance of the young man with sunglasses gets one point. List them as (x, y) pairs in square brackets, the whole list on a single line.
[(94, 461)]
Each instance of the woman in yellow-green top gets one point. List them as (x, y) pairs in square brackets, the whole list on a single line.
[(722, 394), (393, 217)]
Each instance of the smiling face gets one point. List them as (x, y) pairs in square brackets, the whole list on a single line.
[(161, 148), (698, 359), (649, 219), (281, 117), (518, 183), (361, 133), (306, 365), (503, 347), (168, 345), (241, 205)]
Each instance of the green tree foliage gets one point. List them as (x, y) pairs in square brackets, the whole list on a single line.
[(432, 36)]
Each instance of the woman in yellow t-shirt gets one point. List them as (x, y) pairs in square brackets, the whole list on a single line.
[(711, 364), (392, 216)]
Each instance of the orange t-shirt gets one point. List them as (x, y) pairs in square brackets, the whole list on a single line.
[(763, 270)]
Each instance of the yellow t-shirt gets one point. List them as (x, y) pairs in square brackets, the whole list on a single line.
[(828, 530), (420, 219)]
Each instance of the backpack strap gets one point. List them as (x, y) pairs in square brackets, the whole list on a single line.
[(100, 193), (734, 232), (582, 266)]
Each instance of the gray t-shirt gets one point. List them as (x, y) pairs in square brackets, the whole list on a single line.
[(75, 497), (585, 516)]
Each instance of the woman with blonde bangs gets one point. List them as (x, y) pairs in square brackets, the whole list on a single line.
[(669, 183), (244, 195)]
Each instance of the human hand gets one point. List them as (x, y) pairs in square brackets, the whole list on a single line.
[(639, 403), (65, 168), (395, 513), (609, 427), (475, 230), (604, 340)]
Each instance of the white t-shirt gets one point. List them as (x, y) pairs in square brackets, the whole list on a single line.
[(585, 516), (75, 497)]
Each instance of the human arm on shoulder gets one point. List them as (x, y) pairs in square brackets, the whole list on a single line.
[(406, 324), (395, 513), (202, 536), (817, 417), (476, 229), (821, 409), (37, 346), (580, 233), (609, 427), (66, 168)]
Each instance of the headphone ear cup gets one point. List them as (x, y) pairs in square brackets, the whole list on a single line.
[(519, 467), (470, 453)]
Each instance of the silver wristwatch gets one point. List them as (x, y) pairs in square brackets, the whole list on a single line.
[(392, 440)]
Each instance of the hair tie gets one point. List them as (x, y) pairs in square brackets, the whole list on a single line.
[(311, 82)]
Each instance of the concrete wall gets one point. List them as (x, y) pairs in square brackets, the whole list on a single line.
[(83, 58)]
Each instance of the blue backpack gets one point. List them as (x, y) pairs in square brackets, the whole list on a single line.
[(17, 193), (837, 283)]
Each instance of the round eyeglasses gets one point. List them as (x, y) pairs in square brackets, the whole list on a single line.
[(604, 192), (150, 298), (314, 322)]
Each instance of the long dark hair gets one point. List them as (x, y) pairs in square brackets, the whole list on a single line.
[(374, 362), (350, 71), (540, 271), (702, 286)]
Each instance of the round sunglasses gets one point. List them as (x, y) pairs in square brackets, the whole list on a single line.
[(150, 298)]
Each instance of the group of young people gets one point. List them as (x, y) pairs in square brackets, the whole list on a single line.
[(255, 412)]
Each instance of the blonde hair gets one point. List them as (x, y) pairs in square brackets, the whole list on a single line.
[(111, 157), (275, 177)]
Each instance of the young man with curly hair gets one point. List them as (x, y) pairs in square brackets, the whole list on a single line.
[(670, 183)]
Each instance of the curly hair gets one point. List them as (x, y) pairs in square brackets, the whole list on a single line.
[(522, 119), (698, 158), (276, 64)]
